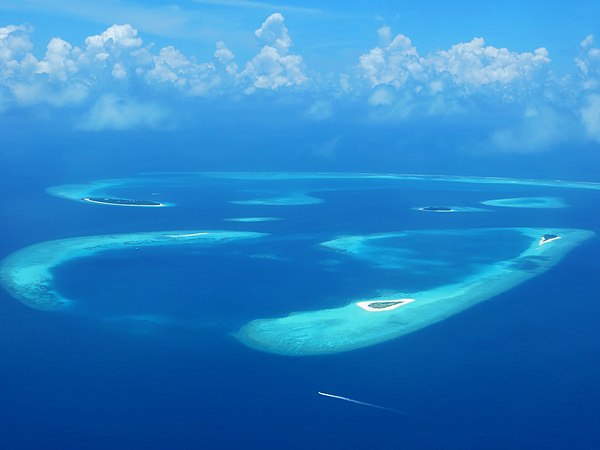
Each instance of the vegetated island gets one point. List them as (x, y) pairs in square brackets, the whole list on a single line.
[(122, 202), (545, 239), (383, 305)]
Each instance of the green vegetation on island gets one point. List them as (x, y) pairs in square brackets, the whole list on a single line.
[(121, 201)]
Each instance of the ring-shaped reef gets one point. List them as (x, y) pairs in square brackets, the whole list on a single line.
[(351, 326), (27, 273)]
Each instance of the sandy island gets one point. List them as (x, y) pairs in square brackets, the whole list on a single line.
[(547, 238), (383, 305)]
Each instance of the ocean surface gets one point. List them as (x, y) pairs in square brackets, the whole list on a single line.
[(146, 357)]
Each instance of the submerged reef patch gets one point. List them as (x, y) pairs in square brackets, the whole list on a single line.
[(527, 202), (292, 199)]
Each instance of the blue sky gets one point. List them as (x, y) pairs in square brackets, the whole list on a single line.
[(513, 77)]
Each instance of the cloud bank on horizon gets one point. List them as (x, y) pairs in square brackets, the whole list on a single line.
[(117, 81)]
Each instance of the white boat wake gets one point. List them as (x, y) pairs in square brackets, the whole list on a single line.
[(370, 405)]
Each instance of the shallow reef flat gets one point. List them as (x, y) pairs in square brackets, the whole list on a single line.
[(78, 192), (266, 176), (292, 199), (27, 273), (527, 202), (351, 327)]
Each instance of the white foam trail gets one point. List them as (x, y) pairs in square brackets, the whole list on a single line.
[(385, 408), (416, 416), (358, 402)]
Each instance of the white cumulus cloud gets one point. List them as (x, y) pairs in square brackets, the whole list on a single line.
[(14, 42), (121, 36), (273, 67), (397, 63), (274, 33), (118, 60), (108, 77), (59, 62), (171, 67), (474, 63), (226, 58), (393, 63)]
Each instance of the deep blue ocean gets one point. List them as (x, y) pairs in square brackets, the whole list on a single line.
[(518, 371)]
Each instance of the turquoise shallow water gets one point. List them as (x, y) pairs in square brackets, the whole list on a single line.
[(423, 259)]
